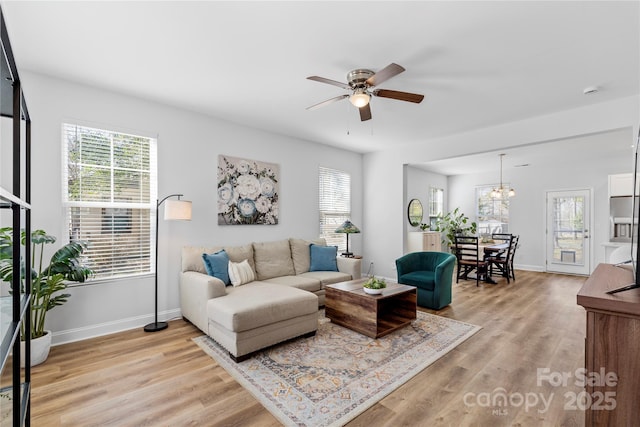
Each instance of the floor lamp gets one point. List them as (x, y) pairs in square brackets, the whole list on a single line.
[(173, 210)]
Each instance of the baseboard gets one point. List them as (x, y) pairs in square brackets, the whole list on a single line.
[(537, 268), (100, 329)]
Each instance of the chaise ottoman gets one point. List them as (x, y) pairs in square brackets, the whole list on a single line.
[(250, 318)]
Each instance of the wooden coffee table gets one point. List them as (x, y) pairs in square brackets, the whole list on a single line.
[(346, 304)]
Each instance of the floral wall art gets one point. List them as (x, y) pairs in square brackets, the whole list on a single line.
[(247, 191)]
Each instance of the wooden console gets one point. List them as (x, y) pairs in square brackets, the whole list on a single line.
[(612, 346)]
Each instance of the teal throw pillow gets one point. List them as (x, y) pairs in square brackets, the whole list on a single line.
[(323, 258), (217, 265)]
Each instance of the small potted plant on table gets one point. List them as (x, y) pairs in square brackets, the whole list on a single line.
[(374, 285)]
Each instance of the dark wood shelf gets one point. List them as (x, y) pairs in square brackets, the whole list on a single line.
[(15, 202)]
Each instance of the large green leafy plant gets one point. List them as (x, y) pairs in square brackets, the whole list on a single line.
[(47, 282), (454, 223)]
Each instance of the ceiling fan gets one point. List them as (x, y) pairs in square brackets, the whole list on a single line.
[(360, 83)]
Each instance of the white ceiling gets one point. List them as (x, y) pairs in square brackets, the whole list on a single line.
[(546, 156), (478, 63)]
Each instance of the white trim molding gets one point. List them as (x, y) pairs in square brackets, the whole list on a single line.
[(101, 329)]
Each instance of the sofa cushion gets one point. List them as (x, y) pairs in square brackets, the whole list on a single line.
[(323, 258), (240, 273), (300, 253), (192, 257), (240, 253), (273, 259), (310, 284), (419, 279), (217, 265), (327, 277), (258, 304)]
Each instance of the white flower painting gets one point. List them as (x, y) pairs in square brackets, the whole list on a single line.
[(247, 191)]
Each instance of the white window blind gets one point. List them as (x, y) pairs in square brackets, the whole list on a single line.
[(334, 197), (109, 197)]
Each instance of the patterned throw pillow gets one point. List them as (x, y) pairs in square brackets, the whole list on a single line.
[(240, 273)]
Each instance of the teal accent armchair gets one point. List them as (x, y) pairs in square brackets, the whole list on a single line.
[(431, 273)]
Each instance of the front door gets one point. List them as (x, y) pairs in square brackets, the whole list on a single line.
[(568, 230)]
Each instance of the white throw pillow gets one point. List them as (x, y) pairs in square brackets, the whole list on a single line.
[(240, 273)]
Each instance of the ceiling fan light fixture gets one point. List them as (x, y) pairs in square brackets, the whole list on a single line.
[(360, 98), (360, 86)]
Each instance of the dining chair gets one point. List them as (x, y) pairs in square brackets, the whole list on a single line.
[(516, 240), (504, 261), (501, 236), (469, 257)]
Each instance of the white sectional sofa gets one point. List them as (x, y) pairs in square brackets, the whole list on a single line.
[(281, 303)]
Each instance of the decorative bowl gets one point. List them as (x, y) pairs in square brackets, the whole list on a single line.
[(374, 285)]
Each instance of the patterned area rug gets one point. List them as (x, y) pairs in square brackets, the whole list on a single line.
[(329, 379)]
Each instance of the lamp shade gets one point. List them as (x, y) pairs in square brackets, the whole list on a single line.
[(347, 227), (177, 210), (359, 99)]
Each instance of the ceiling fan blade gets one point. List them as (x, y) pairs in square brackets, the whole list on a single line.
[(329, 81), (401, 96), (328, 101), (365, 113), (385, 74)]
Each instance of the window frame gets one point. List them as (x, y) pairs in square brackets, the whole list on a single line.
[(335, 208), (133, 255), (490, 221), (436, 200)]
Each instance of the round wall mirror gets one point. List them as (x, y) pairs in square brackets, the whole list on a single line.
[(414, 212)]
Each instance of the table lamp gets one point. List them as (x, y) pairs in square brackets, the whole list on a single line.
[(347, 228)]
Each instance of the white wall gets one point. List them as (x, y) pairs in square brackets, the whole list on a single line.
[(527, 210), (386, 244), (417, 183), (188, 147)]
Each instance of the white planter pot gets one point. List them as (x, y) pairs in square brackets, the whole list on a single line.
[(39, 349)]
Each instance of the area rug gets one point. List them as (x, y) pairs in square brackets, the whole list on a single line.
[(329, 379)]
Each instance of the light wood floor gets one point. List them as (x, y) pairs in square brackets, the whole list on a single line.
[(163, 379)]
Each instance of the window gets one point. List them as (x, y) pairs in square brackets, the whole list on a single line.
[(492, 214), (436, 201), (334, 195), (116, 220), (109, 198)]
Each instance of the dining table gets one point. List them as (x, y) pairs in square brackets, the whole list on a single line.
[(494, 247), (490, 248)]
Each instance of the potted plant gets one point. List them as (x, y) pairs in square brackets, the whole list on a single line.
[(452, 224), (47, 282), (374, 285)]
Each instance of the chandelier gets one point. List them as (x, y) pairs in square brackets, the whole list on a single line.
[(502, 191)]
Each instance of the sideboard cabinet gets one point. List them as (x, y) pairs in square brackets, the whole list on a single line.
[(612, 348), (419, 241)]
